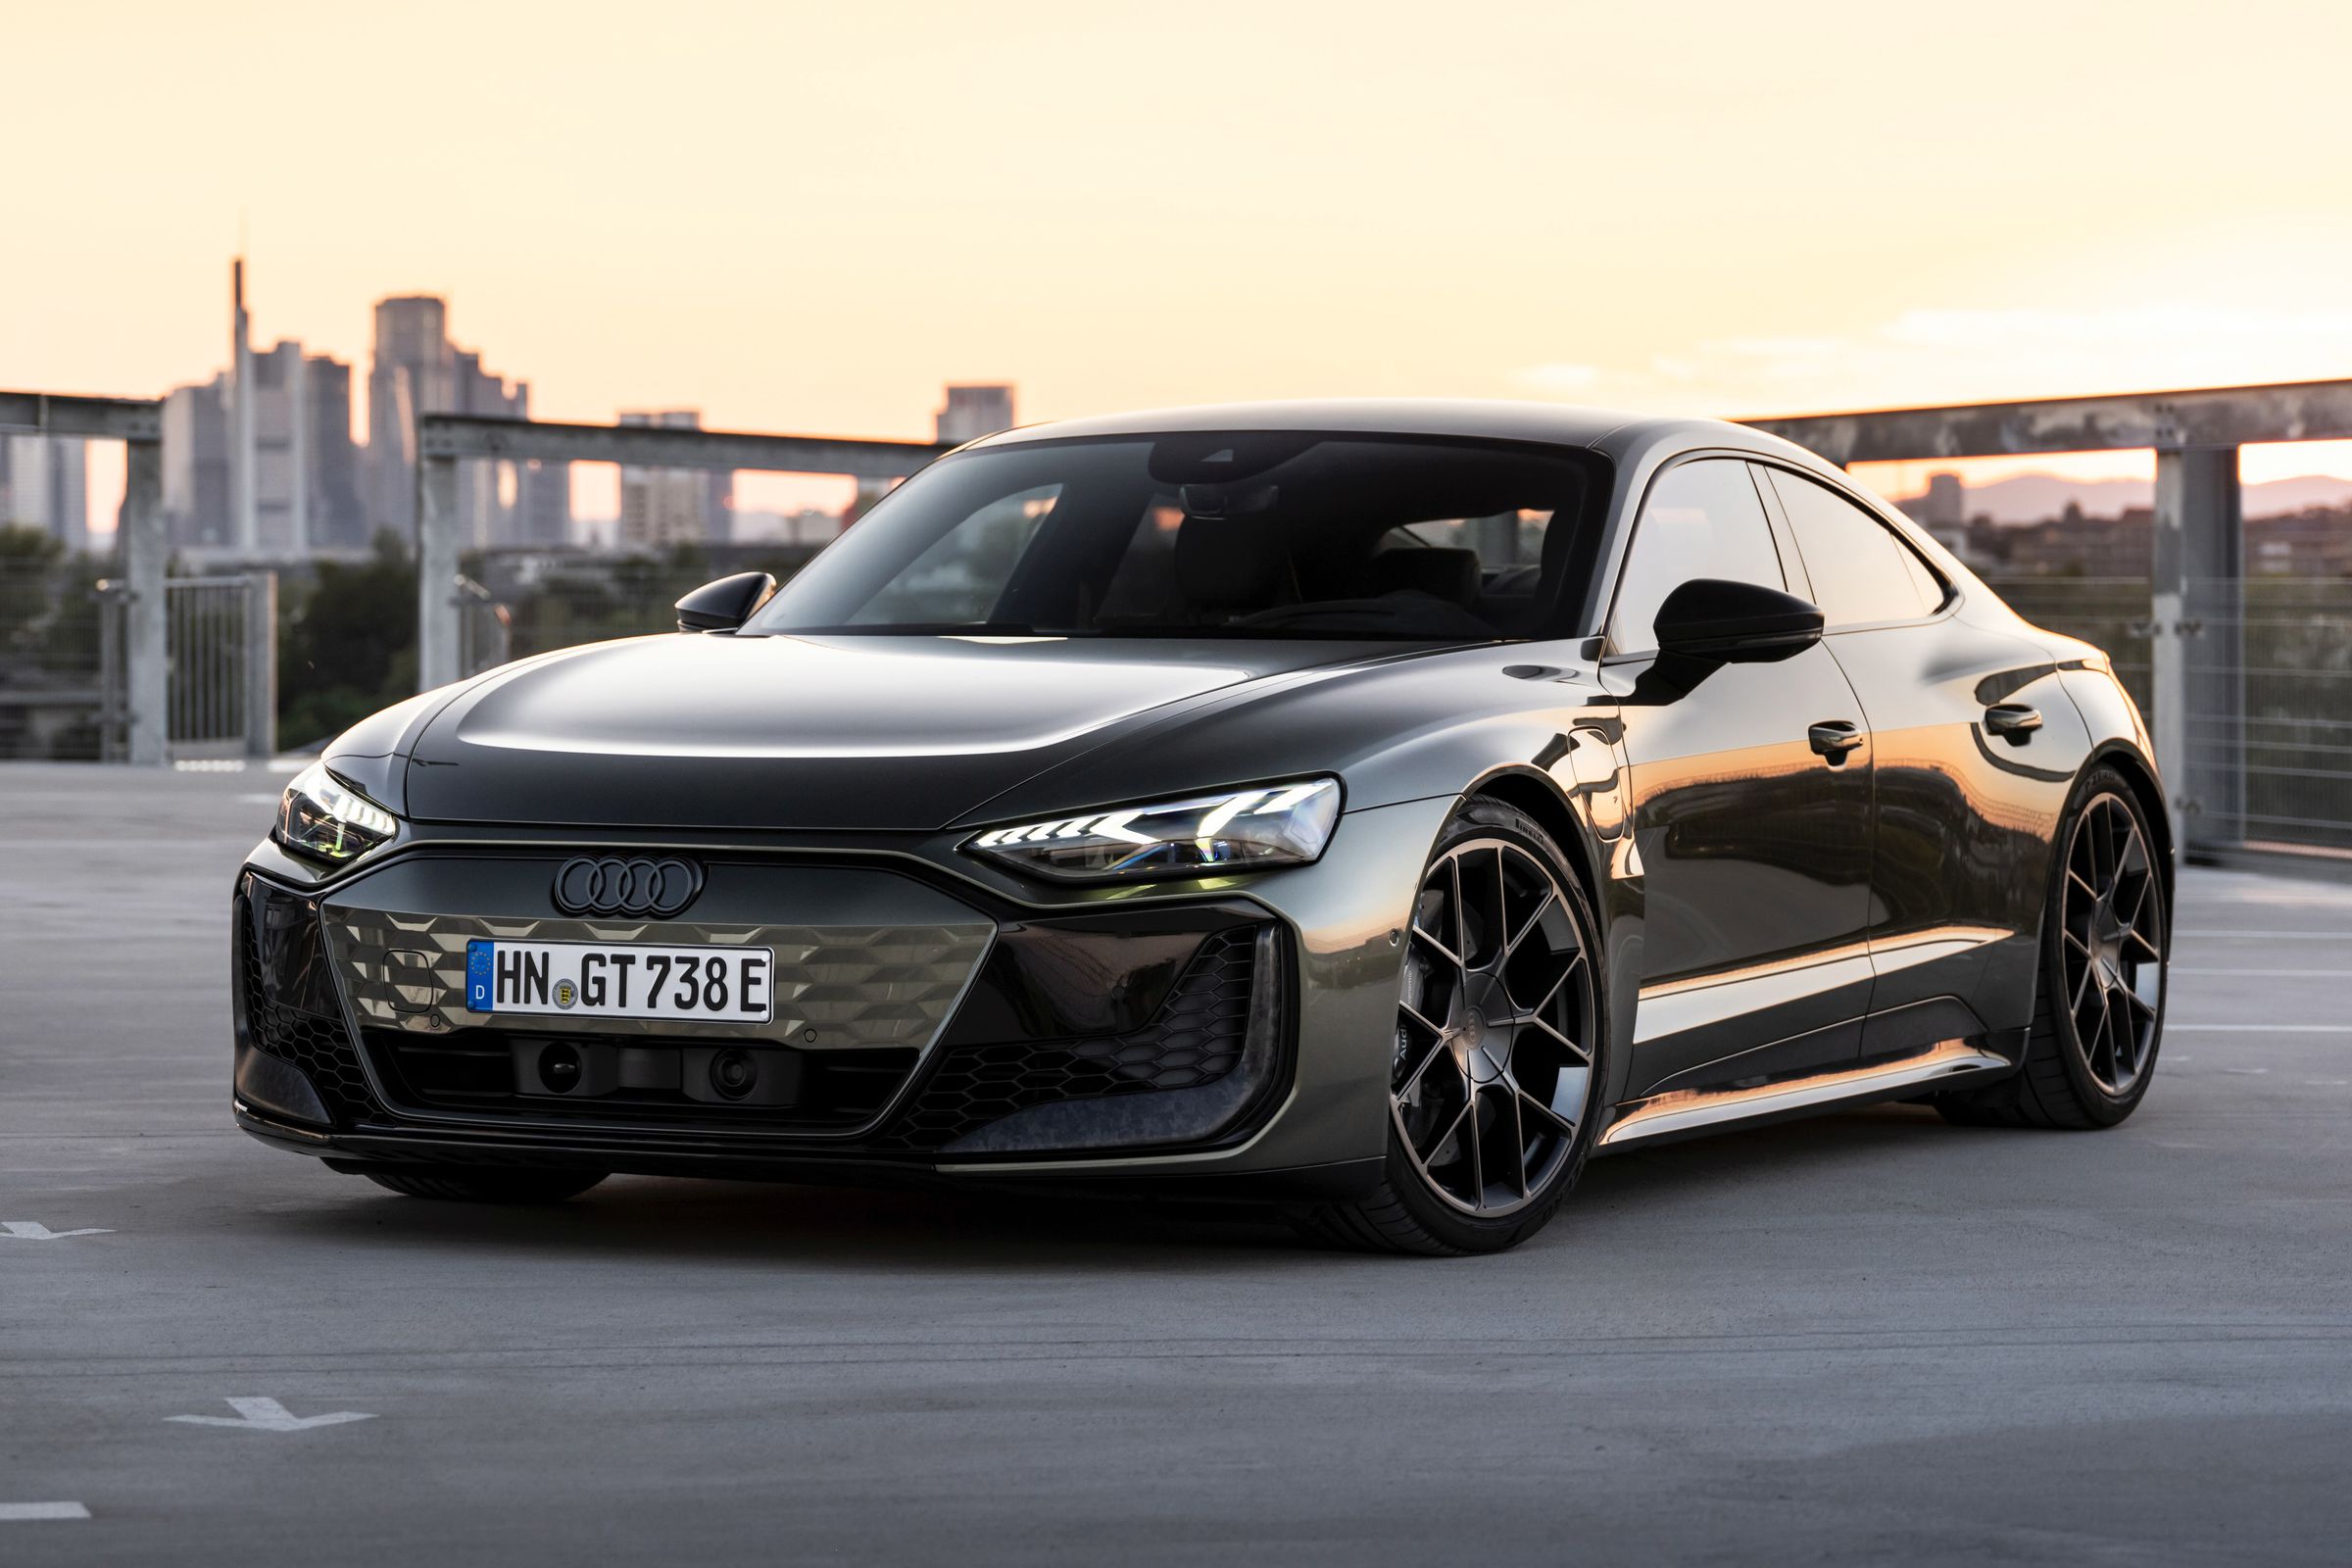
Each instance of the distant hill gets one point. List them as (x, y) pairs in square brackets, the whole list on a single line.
[(2036, 496)]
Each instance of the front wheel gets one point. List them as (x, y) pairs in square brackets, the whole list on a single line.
[(468, 1184), (2098, 1012), (1496, 1059)]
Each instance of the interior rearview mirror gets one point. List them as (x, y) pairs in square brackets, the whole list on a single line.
[(1736, 623), (726, 603)]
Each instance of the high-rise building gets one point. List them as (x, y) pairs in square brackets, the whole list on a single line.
[(665, 506), (196, 445), (414, 372), (972, 412), (44, 483), (338, 520), (259, 463), (1944, 511), (417, 370)]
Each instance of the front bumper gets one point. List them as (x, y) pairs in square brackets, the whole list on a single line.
[(1229, 1039)]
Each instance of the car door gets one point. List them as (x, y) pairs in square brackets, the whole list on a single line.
[(1751, 799), (1976, 746)]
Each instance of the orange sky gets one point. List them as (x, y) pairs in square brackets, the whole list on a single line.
[(807, 217)]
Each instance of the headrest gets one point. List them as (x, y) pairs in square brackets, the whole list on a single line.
[(1229, 562), (1447, 574)]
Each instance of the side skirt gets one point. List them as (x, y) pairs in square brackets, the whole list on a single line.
[(1685, 1113)]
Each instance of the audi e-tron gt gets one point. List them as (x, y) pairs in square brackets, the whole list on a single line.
[(1369, 809)]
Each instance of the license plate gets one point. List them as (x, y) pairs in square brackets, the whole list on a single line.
[(620, 980)]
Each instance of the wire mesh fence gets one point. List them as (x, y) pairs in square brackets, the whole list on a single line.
[(53, 657), (2268, 720), (2268, 726)]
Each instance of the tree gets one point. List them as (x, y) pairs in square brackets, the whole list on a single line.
[(347, 645)]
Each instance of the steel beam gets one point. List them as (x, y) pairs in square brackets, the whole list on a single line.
[(2197, 608), (436, 571), (93, 419), (2212, 416), (146, 556), (460, 435)]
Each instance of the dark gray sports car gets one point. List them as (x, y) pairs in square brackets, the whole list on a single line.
[(1373, 809)]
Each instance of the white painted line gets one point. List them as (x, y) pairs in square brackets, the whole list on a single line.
[(2170, 1027), (2271, 936), (32, 1230), (2265, 974), (257, 1414), (17, 1512)]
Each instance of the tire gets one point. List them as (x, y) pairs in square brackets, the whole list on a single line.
[(464, 1184), (1421, 1207), (2074, 1073)]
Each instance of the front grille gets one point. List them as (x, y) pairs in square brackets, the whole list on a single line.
[(1196, 1039), (879, 985), (318, 1045)]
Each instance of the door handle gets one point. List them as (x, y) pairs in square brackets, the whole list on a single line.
[(1833, 738), (2014, 722)]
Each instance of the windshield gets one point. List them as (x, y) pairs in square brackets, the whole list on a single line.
[(1234, 534)]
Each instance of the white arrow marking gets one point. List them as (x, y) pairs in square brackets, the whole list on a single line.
[(32, 1230), (11, 1513), (268, 1415)]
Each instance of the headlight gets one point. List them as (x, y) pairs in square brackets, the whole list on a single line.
[(1238, 830), (323, 817)]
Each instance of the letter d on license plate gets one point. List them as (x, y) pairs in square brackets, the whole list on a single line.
[(620, 980)]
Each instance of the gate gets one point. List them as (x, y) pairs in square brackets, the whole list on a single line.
[(221, 667)]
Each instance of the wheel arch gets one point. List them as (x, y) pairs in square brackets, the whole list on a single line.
[(2141, 778), (1540, 798)]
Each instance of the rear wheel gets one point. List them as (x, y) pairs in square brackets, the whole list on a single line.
[(468, 1184), (1495, 1057), (2099, 1013)]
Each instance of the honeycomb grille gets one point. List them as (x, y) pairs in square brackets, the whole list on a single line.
[(321, 1047), (834, 986), (1196, 1039)]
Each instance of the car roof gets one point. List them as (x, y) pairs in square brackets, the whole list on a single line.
[(1613, 431)]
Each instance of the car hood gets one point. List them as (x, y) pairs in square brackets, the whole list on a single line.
[(809, 732)]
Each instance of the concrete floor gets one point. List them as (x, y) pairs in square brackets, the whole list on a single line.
[(1862, 1338)]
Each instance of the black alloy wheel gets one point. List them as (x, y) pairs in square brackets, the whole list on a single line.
[(2098, 1019), (1494, 1061)]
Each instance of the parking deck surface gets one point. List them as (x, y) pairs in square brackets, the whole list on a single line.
[(1860, 1338)]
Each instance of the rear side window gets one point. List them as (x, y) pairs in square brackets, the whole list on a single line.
[(1703, 520), (1861, 573)]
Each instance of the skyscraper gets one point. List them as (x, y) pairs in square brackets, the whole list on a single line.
[(417, 370), (972, 412), (259, 463), (665, 506), (44, 483), (197, 510)]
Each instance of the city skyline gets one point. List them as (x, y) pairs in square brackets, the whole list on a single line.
[(848, 207)]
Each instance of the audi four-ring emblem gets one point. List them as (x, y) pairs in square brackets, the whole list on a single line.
[(609, 885)]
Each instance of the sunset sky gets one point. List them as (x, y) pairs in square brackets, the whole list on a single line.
[(805, 217)]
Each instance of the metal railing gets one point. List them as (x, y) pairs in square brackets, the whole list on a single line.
[(2268, 720)]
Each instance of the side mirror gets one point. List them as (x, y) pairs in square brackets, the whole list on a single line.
[(726, 603), (1736, 623)]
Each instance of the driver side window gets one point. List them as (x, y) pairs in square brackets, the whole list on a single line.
[(1703, 520)]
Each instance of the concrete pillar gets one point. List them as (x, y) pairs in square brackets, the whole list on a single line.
[(436, 571), (146, 556), (261, 664), (2197, 603)]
